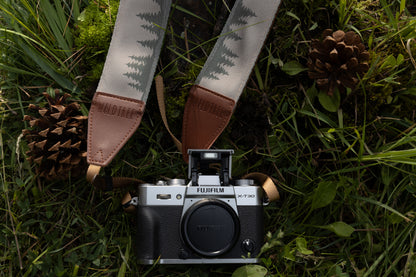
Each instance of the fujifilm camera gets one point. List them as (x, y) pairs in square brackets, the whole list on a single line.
[(211, 219)]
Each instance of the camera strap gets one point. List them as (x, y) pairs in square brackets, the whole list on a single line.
[(118, 105)]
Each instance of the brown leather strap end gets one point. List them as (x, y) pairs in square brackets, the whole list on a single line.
[(92, 172), (112, 121), (206, 115), (160, 92), (268, 184)]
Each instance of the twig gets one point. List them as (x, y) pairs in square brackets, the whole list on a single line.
[(31, 87), (69, 19), (371, 230), (185, 34), (7, 105), (407, 130), (355, 110), (74, 61), (23, 89), (410, 52), (131, 165), (72, 241), (19, 139)]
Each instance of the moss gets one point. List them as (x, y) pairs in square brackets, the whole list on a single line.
[(178, 91), (93, 32), (175, 105)]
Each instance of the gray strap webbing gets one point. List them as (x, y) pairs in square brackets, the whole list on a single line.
[(134, 52), (134, 48), (231, 61)]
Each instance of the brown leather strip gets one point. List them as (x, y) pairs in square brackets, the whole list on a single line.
[(268, 184), (112, 121), (206, 115), (160, 90), (92, 172)]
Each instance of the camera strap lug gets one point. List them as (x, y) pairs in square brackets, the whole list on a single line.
[(129, 203)]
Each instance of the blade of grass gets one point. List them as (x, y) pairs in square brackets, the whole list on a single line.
[(258, 77), (384, 206), (399, 239), (18, 70), (179, 8), (47, 67), (319, 116), (57, 24), (50, 54), (402, 156), (125, 257), (387, 9)]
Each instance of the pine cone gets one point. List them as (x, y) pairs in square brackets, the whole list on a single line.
[(57, 139), (336, 61)]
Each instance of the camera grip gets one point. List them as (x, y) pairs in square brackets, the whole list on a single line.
[(147, 234), (252, 226)]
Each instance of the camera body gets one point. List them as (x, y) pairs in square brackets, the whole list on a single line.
[(212, 219)]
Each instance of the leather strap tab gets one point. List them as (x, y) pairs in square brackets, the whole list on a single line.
[(206, 115), (160, 92), (92, 172), (268, 184), (112, 121)]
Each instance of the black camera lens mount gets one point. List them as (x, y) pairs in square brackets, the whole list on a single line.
[(210, 227)]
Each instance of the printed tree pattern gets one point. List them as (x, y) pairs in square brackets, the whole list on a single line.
[(222, 56), (143, 65)]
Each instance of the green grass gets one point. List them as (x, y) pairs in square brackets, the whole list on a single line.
[(348, 177)]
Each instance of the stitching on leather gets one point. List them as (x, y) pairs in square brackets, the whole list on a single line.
[(134, 125), (132, 128), (217, 132), (137, 121), (98, 93)]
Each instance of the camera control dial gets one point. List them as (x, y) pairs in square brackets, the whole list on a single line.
[(244, 182), (248, 245)]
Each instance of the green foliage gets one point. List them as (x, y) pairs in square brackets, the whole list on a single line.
[(293, 68), (250, 271), (36, 39), (347, 176), (340, 229), (330, 103), (324, 194), (93, 34)]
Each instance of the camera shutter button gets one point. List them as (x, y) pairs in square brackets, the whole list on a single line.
[(248, 245), (176, 182)]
